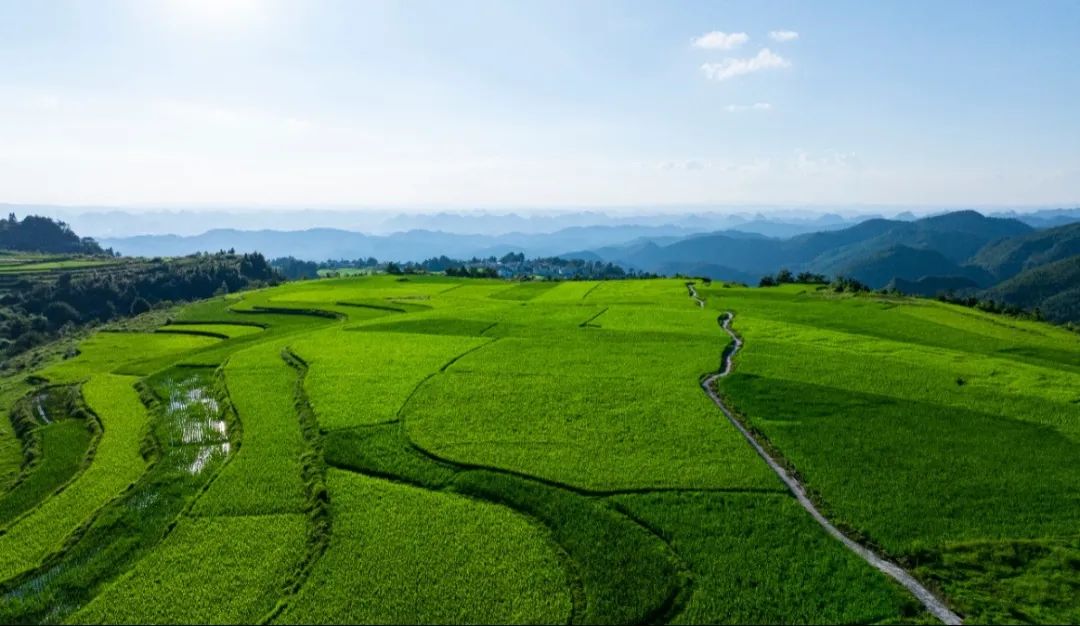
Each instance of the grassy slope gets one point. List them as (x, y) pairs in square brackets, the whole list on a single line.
[(68, 264), (11, 447), (265, 475), (720, 533), (221, 570), (613, 404), (117, 463), (535, 402), (625, 572), (134, 354), (227, 331), (247, 531), (497, 569), (64, 445), (595, 385), (362, 378), (924, 426)]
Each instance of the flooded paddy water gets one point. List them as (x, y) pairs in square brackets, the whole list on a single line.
[(193, 439), (198, 435)]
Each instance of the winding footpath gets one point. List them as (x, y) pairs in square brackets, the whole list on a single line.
[(921, 593)]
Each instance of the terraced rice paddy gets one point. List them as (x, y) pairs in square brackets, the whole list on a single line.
[(935, 433), (424, 449)]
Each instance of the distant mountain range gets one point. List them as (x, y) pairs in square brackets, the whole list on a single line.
[(320, 244), (875, 251), (108, 222), (963, 252), (775, 221)]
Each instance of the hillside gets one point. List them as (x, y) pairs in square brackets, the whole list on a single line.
[(1011, 256), (41, 234), (43, 297), (962, 243), (954, 236), (901, 262), (958, 252), (544, 452), (930, 286), (940, 244), (1053, 288)]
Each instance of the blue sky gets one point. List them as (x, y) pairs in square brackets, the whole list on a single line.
[(541, 104)]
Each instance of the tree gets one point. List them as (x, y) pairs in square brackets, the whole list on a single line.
[(844, 284), (59, 313), (807, 278), (36, 233), (139, 306)]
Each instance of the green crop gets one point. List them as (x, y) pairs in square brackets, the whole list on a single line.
[(116, 464), (623, 572), (266, 474), (222, 331), (136, 354), (64, 446), (47, 266), (794, 562), (359, 378), (596, 433), (524, 291), (221, 570), (11, 445), (543, 452), (567, 292), (922, 426), (427, 557)]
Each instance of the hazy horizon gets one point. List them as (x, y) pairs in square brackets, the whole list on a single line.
[(552, 105), (107, 223)]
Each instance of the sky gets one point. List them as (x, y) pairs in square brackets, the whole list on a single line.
[(546, 104)]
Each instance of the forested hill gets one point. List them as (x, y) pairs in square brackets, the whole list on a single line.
[(52, 282), (41, 234), (1008, 257), (1053, 289), (875, 251)]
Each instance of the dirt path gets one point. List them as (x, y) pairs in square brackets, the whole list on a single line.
[(694, 295), (922, 594)]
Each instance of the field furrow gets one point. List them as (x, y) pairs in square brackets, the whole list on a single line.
[(116, 464), (401, 554)]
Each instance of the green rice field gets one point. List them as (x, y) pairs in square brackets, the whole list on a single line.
[(427, 449)]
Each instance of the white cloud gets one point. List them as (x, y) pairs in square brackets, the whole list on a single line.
[(783, 35), (717, 40), (828, 162), (730, 68), (689, 165), (739, 108)]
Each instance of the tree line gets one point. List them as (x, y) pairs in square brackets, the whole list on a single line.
[(509, 265), (40, 234), (39, 308)]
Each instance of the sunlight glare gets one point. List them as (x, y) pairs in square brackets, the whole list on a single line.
[(214, 14)]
